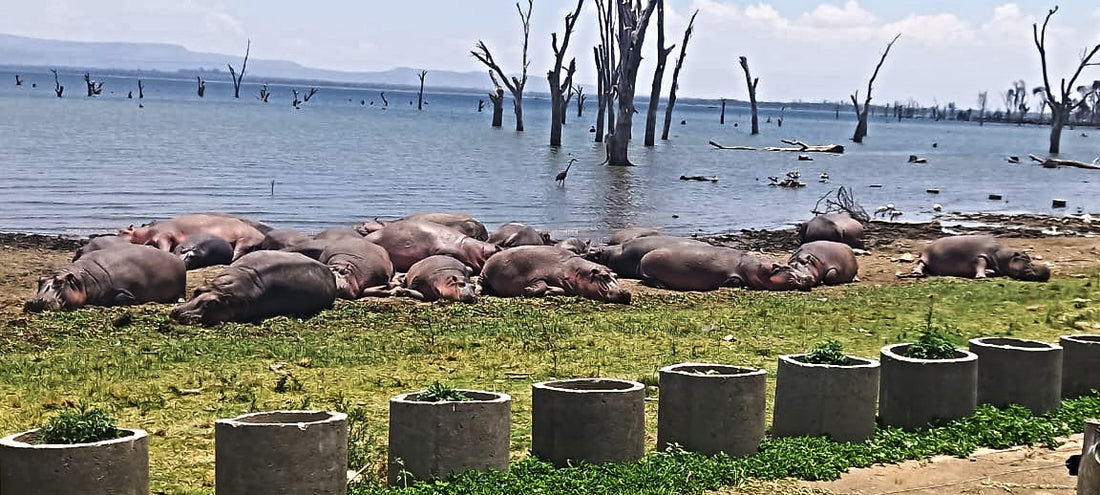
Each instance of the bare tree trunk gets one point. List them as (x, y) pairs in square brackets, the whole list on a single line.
[(861, 126), (312, 91), (18, 81), (141, 89), (633, 20), (553, 76), (233, 73), (568, 95), (497, 98), (1060, 109), (658, 76), (676, 77), (516, 84), (202, 86), (420, 94), (607, 63), (601, 105), (722, 116), (57, 87), (385, 102), (580, 101), (752, 93), (94, 89)]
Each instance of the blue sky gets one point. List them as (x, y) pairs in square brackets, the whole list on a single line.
[(808, 50)]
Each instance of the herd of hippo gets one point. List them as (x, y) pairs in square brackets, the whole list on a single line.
[(449, 256)]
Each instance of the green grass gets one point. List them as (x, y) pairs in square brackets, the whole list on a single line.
[(175, 381)]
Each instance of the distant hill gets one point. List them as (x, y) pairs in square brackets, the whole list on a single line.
[(22, 51)]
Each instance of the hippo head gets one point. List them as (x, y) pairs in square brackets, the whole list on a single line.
[(779, 276), (599, 283), (207, 307), (347, 280), (456, 287), (62, 291), (371, 226), (1021, 267), (136, 235), (479, 251), (574, 245), (805, 265)]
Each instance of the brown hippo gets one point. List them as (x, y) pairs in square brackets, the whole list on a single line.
[(514, 234), (978, 256), (836, 227), (360, 267), (260, 285), (203, 250), (117, 276), (459, 221), (338, 233), (535, 271), (706, 268), (624, 259), (573, 244), (826, 262), (623, 235), (277, 239), (409, 241), (167, 234), (100, 242), (438, 277)]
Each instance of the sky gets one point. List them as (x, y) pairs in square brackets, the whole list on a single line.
[(801, 50)]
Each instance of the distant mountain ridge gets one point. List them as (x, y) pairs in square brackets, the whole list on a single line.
[(23, 51)]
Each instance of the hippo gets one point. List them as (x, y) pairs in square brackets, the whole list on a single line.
[(282, 238), (167, 234), (573, 244), (260, 285), (459, 221), (438, 277), (514, 234), (706, 268), (623, 235), (121, 275), (359, 266), (201, 250), (100, 242), (978, 256), (535, 271), (837, 227), (624, 259), (825, 262), (409, 241), (338, 233)]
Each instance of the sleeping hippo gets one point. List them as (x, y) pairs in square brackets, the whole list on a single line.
[(120, 275), (459, 221), (202, 250), (514, 234), (409, 241), (438, 277), (706, 268), (836, 227), (282, 238), (100, 242), (536, 271), (825, 262), (623, 235), (574, 245), (260, 285), (360, 267), (338, 233), (624, 259), (244, 235), (978, 256)]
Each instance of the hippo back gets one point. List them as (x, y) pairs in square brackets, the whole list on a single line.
[(836, 227)]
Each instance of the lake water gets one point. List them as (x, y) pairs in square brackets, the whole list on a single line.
[(79, 165)]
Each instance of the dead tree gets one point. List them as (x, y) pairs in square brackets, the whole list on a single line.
[(233, 73), (497, 98), (676, 76), (57, 87), (94, 88), (516, 84), (264, 93), (202, 86), (580, 100), (312, 91), (553, 76), (385, 102), (722, 116), (606, 62), (18, 81), (632, 20), (420, 94), (297, 103), (1064, 105), (658, 77), (752, 92), (568, 94), (861, 126), (141, 89), (983, 101)]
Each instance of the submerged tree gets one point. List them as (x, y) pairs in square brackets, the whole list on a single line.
[(1062, 106), (983, 102), (676, 76), (57, 87), (94, 88), (658, 76), (580, 100), (632, 20), (264, 93), (605, 57), (233, 73), (419, 94), (553, 76), (516, 84), (752, 93), (861, 126), (18, 81), (497, 98), (202, 86)]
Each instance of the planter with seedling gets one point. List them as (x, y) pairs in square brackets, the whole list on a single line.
[(826, 392), (710, 408)]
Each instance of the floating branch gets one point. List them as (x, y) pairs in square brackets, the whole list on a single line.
[(1058, 162), (801, 147)]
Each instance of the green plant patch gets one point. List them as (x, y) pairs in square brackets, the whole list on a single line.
[(829, 352), (439, 392), (80, 425), (931, 345)]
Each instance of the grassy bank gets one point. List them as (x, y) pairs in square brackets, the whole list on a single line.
[(175, 381)]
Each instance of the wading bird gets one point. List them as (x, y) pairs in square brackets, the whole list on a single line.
[(560, 179)]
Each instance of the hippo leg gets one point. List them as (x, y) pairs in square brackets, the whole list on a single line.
[(379, 291), (541, 288), (734, 281), (831, 277), (918, 270), (980, 267), (401, 291)]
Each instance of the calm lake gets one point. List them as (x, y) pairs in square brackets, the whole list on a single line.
[(79, 165)]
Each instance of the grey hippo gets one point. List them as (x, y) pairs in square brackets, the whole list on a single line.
[(536, 271), (706, 268), (978, 256), (120, 275)]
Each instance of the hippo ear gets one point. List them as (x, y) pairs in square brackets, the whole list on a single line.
[(70, 280), (776, 268)]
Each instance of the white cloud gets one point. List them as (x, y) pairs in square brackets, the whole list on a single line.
[(828, 16)]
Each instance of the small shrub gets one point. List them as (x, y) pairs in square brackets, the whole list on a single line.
[(931, 345), (82, 425), (828, 352), (438, 392)]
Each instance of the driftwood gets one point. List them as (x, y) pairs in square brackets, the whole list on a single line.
[(1058, 162), (801, 147), (700, 178)]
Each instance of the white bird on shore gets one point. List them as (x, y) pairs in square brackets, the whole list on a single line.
[(937, 207), (894, 214)]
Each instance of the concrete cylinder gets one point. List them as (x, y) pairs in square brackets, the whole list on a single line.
[(119, 466), (1088, 474), (435, 439), (826, 399), (711, 408), (914, 392), (281, 452), (1018, 371), (1080, 360), (594, 420)]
